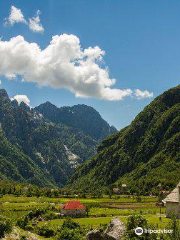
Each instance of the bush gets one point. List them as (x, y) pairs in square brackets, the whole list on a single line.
[(68, 223), (46, 232), (70, 234), (175, 226), (51, 216), (5, 226), (23, 222), (135, 221), (36, 213), (29, 227), (70, 230)]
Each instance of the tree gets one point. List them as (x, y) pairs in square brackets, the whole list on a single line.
[(70, 230)]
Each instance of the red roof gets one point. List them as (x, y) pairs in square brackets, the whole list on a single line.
[(73, 205)]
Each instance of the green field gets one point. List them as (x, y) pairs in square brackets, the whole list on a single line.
[(101, 211)]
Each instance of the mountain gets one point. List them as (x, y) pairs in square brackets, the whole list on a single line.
[(17, 166), (81, 117), (81, 126), (36, 150), (31, 147), (142, 155)]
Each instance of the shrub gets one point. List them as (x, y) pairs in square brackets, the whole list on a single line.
[(135, 221), (5, 226), (69, 234), (29, 227), (175, 226), (23, 222), (36, 213), (46, 232), (70, 230), (51, 216), (68, 223)]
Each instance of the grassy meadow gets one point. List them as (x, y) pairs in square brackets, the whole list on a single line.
[(100, 211)]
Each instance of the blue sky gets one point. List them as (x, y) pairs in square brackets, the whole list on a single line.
[(141, 40)]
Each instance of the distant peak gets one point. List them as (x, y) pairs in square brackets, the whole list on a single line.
[(47, 104), (24, 106), (45, 107)]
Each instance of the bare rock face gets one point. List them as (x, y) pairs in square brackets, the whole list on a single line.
[(114, 231)]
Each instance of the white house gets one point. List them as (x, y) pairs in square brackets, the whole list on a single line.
[(173, 203)]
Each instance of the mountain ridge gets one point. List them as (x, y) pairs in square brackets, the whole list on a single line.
[(81, 116), (52, 150), (140, 154)]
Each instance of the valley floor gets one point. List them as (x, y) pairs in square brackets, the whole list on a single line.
[(101, 211)]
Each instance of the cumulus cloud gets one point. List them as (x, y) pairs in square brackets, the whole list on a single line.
[(62, 64), (21, 98), (15, 16), (143, 94), (35, 23)]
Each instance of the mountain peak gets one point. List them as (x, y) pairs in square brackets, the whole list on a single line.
[(24, 106), (47, 103), (81, 116)]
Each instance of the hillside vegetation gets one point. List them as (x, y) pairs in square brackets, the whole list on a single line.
[(35, 150), (144, 154)]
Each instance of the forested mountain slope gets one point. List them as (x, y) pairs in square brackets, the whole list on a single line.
[(43, 152), (144, 154), (36, 146), (16, 166)]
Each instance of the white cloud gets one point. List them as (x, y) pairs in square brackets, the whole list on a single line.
[(143, 94), (0, 82), (10, 76), (35, 23), (15, 16), (21, 98), (62, 64)]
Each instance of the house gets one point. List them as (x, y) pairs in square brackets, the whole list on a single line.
[(172, 202), (73, 208)]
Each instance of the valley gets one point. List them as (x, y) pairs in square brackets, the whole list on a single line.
[(89, 120), (46, 163), (100, 212)]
